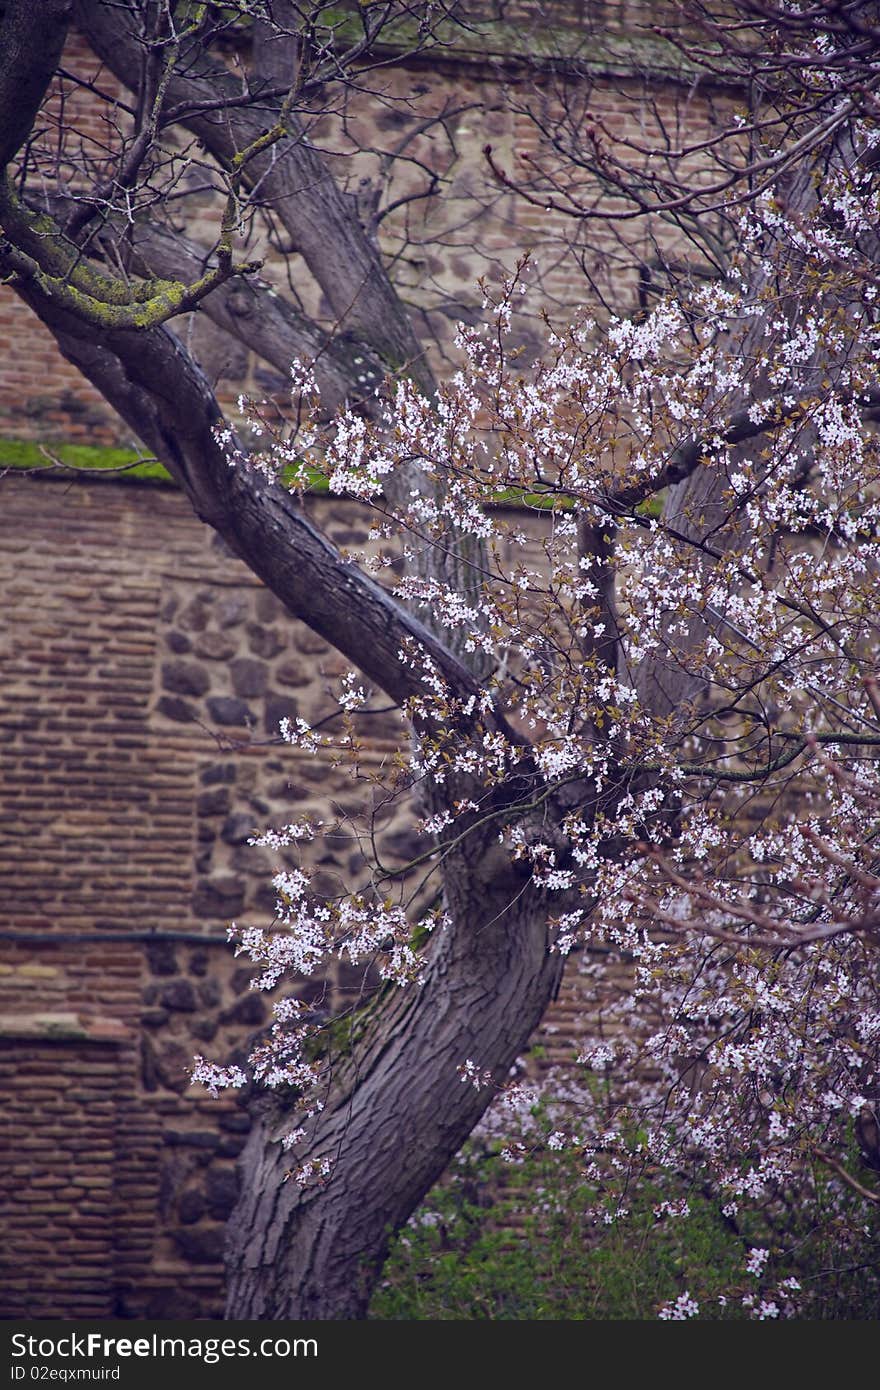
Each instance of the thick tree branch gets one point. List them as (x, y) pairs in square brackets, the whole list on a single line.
[(293, 179), (741, 428), (253, 313), (295, 182), (399, 1110), (152, 381)]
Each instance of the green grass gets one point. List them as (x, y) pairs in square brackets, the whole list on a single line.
[(531, 1251), (530, 1248)]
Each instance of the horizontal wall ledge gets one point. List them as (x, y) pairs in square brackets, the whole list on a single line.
[(64, 1027)]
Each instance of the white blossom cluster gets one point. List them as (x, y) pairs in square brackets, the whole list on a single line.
[(676, 747)]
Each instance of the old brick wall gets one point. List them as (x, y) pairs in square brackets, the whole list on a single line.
[(145, 672)]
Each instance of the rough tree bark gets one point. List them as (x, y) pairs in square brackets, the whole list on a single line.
[(399, 1110)]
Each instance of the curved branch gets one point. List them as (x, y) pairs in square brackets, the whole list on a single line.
[(831, 1162), (293, 179), (154, 384), (255, 314)]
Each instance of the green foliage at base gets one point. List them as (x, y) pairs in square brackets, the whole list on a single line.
[(502, 1242)]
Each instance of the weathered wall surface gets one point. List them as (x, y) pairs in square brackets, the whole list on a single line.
[(145, 672), (144, 676)]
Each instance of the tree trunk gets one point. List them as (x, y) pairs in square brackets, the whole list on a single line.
[(399, 1110)]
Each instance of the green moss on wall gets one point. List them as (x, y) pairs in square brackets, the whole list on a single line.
[(64, 460)]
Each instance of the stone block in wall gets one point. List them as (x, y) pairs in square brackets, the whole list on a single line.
[(216, 646), (230, 712), (185, 678), (264, 641), (222, 896), (276, 708), (249, 677), (215, 802), (176, 709)]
